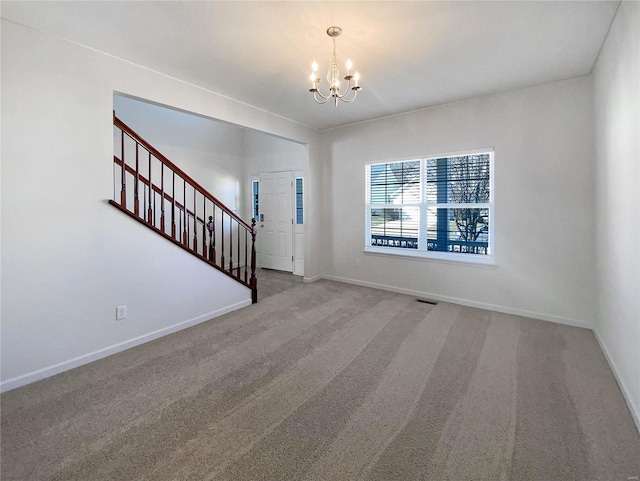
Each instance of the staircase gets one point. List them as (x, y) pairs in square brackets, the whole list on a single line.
[(159, 195)]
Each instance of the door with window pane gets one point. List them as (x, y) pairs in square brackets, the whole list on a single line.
[(276, 226)]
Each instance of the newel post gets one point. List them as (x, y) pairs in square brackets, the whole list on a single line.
[(253, 280)]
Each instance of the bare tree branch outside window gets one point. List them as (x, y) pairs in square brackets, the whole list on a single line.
[(469, 184)]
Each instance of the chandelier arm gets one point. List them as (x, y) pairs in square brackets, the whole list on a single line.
[(346, 92), (325, 99), (348, 101), (322, 96), (348, 79), (338, 96)]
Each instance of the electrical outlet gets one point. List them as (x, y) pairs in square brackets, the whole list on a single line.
[(121, 313)]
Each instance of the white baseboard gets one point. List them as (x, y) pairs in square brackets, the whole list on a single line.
[(635, 412), (466, 302), (107, 351), (312, 279)]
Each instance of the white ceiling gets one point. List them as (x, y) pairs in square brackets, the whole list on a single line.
[(410, 55)]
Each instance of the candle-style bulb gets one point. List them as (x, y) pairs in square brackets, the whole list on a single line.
[(349, 65), (314, 66)]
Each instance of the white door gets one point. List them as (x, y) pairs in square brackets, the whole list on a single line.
[(276, 221)]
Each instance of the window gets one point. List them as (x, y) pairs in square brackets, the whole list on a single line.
[(299, 201), (256, 206), (439, 207)]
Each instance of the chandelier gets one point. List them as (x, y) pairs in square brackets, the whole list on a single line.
[(333, 77)]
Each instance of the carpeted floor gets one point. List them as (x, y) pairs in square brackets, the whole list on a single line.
[(328, 381), (271, 282)]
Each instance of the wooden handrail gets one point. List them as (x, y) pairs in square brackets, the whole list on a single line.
[(131, 133)]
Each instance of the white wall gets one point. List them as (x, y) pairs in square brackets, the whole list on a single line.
[(318, 226), (68, 258), (617, 120), (544, 204), (266, 153)]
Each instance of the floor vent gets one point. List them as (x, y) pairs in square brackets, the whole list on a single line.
[(427, 301)]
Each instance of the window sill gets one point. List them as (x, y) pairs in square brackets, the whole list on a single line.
[(457, 259)]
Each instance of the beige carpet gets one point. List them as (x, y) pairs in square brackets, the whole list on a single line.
[(328, 381)]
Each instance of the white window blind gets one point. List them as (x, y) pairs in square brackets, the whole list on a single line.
[(440, 206)]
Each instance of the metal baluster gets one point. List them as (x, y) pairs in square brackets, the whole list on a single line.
[(187, 227), (214, 233), (173, 207), (123, 191), (230, 245), (144, 201), (246, 263), (211, 226), (195, 223), (238, 263), (222, 224), (204, 227), (162, 201), (136, 199), (150, 218), (185, 234)]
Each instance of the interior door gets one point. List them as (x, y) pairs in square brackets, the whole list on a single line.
[(276, 221)]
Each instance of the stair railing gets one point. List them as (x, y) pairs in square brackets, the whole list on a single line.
[(157, 193)]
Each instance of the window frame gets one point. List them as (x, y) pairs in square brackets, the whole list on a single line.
[(421, 252)]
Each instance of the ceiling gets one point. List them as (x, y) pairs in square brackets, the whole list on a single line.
[(410, 55)]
